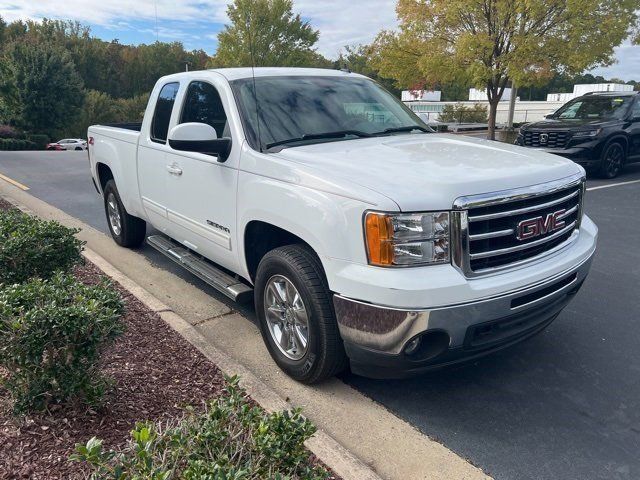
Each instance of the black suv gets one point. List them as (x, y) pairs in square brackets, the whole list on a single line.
[(600, 131)]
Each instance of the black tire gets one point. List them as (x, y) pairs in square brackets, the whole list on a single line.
[(324, 356), (132, 229), (78, 149), (612, 161)]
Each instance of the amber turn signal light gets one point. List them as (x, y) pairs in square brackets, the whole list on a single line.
[(379, 233)]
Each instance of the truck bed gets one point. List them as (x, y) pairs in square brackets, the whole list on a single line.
[(135, 126)]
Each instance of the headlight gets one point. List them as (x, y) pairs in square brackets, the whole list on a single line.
[(407, 239), (587, 133)]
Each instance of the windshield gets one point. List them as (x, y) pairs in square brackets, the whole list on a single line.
[(595, 107), (319, 109)]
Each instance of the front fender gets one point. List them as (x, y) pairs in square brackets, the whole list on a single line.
[(329, 223)]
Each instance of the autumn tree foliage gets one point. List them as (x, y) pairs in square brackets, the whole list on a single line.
[(491, 43), (266, 33)]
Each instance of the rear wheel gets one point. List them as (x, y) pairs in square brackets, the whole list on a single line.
[(297, 320), (126, 230), (613, 159)]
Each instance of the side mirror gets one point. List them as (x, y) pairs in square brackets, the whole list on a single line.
[(201, 138)]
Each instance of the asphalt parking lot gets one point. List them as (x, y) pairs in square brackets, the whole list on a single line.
[(563, 405)]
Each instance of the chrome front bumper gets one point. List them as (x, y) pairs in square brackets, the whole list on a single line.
[(376, 336)]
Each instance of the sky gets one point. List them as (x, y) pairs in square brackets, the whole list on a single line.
[(195, 23)]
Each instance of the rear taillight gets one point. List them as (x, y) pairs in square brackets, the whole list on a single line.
[(90, 142)]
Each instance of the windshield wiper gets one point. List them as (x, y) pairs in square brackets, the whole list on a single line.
[(320, 136), (408, 128)]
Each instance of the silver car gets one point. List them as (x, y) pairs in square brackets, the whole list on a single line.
[(68, 144)]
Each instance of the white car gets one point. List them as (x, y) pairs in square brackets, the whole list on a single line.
[(68, 144), (361, 236)]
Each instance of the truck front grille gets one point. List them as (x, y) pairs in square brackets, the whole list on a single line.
[(510, 228), (551, 140)]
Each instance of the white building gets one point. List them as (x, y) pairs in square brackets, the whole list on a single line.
[(559, 97), (476, 95), (581, 89), (423, 95), (525, 111)]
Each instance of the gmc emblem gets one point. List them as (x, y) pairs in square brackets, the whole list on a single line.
[(534, 227)]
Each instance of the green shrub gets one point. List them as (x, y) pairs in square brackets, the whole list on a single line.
[(39, 140), (231, 439), (7, 131), (460, 113), (16, 144), (31, 247), (51, 332)]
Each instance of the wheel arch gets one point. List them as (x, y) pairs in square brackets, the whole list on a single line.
[(618, 138), (104, 173), (260, 237)]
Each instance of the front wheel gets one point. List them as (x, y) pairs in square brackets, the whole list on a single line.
[(295, 310), (613, 159), (126, 230)]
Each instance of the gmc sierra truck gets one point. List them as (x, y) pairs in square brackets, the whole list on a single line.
[(363, 238)]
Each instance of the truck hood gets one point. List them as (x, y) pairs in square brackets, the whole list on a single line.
[(429, 171)]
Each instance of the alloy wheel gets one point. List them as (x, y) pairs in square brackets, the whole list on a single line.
[(114, 214), (287, 317), (613, 160)]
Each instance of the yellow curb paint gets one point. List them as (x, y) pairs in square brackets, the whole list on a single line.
[(14, 182)]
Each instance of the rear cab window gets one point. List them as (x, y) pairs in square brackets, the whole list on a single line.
[(162, 113)]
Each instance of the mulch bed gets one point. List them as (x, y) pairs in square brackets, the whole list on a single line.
[(4, 205), (156, 374)]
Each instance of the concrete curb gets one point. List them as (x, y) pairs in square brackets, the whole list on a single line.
[(322, 445)]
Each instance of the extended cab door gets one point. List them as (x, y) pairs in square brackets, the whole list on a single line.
[(152, 155), (200, 190)]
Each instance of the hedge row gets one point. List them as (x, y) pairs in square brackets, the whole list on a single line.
[(39, 139), (7, 132), (460, 113), (17, 144)]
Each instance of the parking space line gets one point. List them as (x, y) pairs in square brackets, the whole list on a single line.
[(619, 184), (14, 182)]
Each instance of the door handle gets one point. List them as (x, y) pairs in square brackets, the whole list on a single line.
[(174, 170)]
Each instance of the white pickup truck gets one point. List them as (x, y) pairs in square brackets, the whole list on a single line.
[(363, 237)]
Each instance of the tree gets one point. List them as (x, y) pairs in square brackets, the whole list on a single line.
[(47, 92), (357, 58), (98, 107), (3, 28), (492, 43), (270, 30)]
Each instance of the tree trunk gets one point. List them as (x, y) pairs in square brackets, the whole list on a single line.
[(493, 108)]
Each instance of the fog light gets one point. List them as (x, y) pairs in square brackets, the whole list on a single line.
[(412, 346)]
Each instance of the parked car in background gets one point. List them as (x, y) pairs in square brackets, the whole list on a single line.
[(360, 234), (68, 144), (600, 131)]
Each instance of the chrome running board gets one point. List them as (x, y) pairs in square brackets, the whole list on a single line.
[(232, 287)]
